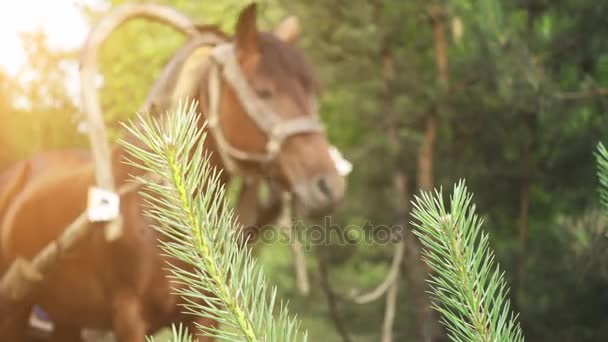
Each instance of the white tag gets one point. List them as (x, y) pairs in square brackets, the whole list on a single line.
[(343, 166), (103, 205)]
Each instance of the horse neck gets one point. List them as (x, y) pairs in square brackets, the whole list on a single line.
[(161, 99), (210, 145)]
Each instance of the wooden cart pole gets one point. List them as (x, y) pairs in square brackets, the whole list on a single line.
[(23, 276)]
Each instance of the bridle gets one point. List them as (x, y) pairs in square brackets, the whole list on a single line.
[(224, 65)]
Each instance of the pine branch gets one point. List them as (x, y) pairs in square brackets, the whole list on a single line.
[(469, 289), (192, 212), (602, 173), (179, 334)]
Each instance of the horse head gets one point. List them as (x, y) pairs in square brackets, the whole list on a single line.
[(262, 113)]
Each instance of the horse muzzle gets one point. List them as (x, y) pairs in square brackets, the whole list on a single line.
[(319, 195)]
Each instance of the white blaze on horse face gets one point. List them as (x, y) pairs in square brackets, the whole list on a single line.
[(315, 173), (343, 166)]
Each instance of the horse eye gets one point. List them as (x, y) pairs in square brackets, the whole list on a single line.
[(264, 94)]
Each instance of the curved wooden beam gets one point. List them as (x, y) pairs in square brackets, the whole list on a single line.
[(89, 70)]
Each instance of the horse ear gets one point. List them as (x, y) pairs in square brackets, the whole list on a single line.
[(288, 29), (246, 39)]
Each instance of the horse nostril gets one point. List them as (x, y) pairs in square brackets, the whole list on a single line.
[(324, 187)]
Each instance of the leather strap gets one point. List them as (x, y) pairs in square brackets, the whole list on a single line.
[(277, 130)]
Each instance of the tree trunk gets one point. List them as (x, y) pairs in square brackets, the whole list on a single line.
[(426, 154), (427, 324), (524, 208), (428, 320), (330, 296), (401, 196)]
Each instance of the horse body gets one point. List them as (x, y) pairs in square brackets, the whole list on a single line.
[(97, 284), (16, 179), (122, 285)]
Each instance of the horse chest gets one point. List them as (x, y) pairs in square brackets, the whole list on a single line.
[(89, 284)]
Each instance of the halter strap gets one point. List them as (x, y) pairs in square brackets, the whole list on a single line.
[(277, 130)]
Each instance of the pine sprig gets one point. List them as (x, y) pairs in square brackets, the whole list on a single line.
[(602, 173), (178, 334), (193, 214), (469, 289)]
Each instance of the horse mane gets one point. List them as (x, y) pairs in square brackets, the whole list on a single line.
[(212, 29), (160, 97), (281, 58)]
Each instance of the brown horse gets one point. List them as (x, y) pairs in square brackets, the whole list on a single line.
[(122, 285), (17, 178)]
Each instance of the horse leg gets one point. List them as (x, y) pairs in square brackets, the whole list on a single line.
[(65, 333), (127, 320)]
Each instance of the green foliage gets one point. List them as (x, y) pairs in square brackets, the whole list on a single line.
[(190, 207), (36, 108), (503, 126), (471, 291)]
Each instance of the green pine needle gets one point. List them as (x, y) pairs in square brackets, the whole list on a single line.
[(469, 289), (602, 173), (178, 334), (192, 212)]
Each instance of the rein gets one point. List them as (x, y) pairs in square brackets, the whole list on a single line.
[(277, 130)]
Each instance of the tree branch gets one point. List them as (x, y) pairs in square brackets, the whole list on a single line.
[(580, 95)]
